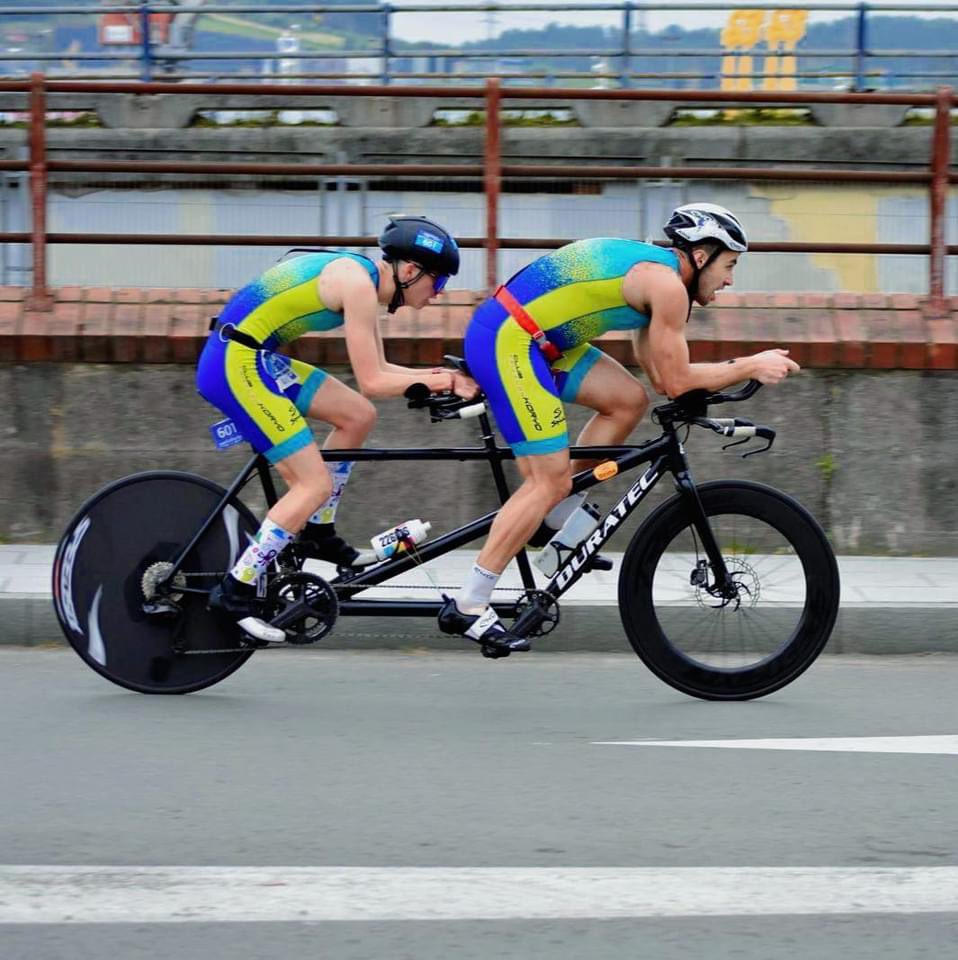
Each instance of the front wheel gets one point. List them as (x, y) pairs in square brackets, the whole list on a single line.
[(115, 552), (758, 637)]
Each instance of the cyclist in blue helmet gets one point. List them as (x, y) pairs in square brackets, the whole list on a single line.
[(268, 395)]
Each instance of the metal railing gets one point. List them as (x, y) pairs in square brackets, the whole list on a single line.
[(937, 177), (387, 50)]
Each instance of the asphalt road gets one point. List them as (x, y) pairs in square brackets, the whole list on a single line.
[(508, 802)]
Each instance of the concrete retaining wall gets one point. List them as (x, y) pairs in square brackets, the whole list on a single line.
[(872, 454), (102, 386), (170, 111)]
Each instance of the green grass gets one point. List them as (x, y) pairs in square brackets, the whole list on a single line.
[(826, 466), (84, 121), (510, 118), (272, 120), (734, 548), (746, 116)]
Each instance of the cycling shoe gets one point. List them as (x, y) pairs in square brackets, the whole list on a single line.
[(319, 541), (485, 628), (239, 602)]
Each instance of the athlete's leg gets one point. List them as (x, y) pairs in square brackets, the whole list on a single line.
[(244, 384), (523, 397), (589, 377), (547, 481), (352, 417), (309, 484), (619, 401), (237, 595)]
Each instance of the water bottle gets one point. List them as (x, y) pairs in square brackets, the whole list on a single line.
[(582, 521), (399, 538)]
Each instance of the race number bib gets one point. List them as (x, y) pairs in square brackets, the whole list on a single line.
[(226, 434)]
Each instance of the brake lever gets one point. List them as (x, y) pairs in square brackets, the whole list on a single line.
[(767, 446), (766, 433)]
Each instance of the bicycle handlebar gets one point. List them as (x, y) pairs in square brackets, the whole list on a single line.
[(695, 403), (442, 406), (692, 408)]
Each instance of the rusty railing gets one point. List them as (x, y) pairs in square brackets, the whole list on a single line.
[(938, 176)]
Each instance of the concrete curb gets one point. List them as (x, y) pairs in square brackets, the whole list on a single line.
[(900, 605), (29, 620)]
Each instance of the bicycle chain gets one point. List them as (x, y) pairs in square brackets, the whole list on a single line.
[(418, 586), (384, 586)]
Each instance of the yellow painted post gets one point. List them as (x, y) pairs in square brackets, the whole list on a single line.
[(785, 28), (742, 32)]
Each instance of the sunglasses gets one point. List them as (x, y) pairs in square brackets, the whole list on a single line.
[(439, 280)]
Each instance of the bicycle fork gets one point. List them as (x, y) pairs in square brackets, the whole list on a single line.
[(722, 585), (575, 566)]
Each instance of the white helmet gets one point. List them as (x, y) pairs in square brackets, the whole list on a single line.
[(695, 223)]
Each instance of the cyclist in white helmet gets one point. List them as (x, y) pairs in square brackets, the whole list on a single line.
[(708, 240), (529, 347)]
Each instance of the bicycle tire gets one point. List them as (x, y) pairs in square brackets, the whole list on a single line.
[(811, 566), (121, 531)]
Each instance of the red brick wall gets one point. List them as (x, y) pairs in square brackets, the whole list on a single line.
[(131, 325)]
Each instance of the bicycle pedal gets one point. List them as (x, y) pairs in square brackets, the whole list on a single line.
[(162, 609), (493, 652), (251, 643), (519, 645), (598, 562)]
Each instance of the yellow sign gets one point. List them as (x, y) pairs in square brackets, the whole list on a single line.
[(781, 30)]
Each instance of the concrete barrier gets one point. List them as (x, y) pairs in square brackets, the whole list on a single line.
[(173, 111)]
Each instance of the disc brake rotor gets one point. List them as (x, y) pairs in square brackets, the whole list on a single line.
[(744, 579)]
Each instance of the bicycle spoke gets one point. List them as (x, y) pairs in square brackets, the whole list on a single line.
[(730, 634)]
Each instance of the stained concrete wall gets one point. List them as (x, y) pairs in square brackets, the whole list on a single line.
[(248, 204), (873, 455)]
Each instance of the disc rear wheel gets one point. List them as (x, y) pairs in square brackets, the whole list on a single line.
[(108, 577)]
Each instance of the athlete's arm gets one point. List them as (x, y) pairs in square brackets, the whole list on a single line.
[(663, 296), (349, 287), (640, 341)]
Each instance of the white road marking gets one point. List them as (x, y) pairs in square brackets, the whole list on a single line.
[(947, 744), (101, 894)]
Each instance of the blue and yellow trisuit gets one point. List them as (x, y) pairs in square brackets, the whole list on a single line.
[(265, 392), (574, 295)]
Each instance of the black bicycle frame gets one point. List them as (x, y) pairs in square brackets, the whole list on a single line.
[(665, 454)]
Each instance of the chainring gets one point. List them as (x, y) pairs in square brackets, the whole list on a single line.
[(548, 611), (289, 589)]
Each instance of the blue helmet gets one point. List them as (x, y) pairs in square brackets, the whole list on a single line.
[(420, 240)]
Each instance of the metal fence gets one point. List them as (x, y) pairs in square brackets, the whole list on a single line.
[(389, 60), (936, 178)]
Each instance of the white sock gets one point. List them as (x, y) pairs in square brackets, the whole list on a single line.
[(564, 509), (339, 472), (476, 592), (270, 541)]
